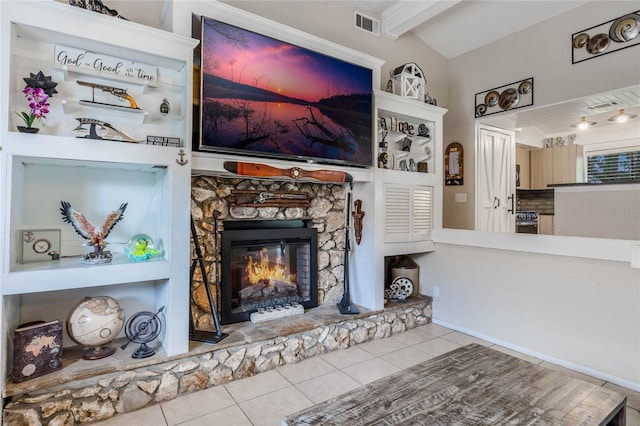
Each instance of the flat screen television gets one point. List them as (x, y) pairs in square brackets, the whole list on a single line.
[(264, 97)]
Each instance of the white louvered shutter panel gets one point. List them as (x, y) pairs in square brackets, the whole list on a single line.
[(407, 213), (422, 213), (397, 213)]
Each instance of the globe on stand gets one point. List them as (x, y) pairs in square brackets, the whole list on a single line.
[(95, 321)]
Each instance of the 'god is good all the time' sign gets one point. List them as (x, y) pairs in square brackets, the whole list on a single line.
[(79, 60)]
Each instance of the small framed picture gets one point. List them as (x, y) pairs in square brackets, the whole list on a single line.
[(38, 245)]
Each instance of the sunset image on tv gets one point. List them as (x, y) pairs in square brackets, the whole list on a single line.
[(265, 97)]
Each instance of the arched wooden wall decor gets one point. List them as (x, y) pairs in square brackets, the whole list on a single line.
[(453, 164)]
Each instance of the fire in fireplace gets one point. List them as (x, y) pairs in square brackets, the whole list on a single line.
[(267, 263)]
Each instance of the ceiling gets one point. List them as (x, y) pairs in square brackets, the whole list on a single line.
[(446, 25), (554, 119)]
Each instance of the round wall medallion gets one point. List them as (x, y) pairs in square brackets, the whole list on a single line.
[(598, 43), (525, 87), (491, 98), (508, 99), (625, 28), (580, 40)]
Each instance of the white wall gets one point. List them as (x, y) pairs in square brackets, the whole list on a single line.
[(543, 52), (583, 314)]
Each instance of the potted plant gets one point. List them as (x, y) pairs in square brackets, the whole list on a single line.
[(38, 90), (39, 106)]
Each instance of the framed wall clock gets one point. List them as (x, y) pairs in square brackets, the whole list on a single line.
[(38, 245)]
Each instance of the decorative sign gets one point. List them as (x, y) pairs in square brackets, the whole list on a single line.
[(453, 164), (164, 141), (504, 98), (558, 141), (608, 37), (105, 66)]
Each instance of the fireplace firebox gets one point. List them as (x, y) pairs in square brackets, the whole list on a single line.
[(267, 264)]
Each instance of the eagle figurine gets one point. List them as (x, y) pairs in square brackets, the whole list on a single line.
[(86, 230)]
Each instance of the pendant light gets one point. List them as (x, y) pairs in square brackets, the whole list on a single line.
[(622, 116), (583, 123)]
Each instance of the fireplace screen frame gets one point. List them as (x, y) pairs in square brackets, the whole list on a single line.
[(267, 236)]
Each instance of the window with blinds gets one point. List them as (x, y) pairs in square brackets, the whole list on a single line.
[(407, 213), (619, 167)]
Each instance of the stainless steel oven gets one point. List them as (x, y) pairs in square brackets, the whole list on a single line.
[(526, 222)]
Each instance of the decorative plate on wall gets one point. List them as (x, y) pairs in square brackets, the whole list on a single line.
[(504, 98), (605, 38)]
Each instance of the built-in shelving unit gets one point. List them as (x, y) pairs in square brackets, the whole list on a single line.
[(402, 205), (95, 175)]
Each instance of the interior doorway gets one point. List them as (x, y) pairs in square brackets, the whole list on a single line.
[(495, 179)]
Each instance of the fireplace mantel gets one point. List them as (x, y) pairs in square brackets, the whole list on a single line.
[(209, 164)]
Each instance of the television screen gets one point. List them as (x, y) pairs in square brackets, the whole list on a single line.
[(268, 98)]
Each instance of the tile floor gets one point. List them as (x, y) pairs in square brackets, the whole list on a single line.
[(265, 398)]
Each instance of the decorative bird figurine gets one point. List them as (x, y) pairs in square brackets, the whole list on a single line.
[(96, 236)]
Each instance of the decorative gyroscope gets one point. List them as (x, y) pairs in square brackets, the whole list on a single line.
[(143, 328)]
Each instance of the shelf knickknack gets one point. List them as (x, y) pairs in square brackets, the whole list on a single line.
[(89, 63), (39, 88), (408, 81), (504, 98), (605, 38)]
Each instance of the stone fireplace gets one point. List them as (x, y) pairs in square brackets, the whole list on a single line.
[(267, 264), (324, 214)]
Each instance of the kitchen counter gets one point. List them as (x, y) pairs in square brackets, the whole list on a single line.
[(596, 210), (588, 184)]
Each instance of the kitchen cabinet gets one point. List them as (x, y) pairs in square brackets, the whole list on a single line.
[(96, 175), (541, 168), (523, 161), (561, 164), (567, 164), (545, 224)]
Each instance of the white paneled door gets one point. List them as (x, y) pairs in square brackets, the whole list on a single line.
[(495, 188)]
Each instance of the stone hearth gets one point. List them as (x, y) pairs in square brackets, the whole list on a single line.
[(86, 391), (325, 212)]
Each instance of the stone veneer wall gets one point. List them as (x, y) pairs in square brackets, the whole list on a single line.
[(326, 212), (102, 397)]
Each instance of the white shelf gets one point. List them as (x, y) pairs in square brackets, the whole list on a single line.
[(70, 273), (396, 192), (96, 176), (116, 155)]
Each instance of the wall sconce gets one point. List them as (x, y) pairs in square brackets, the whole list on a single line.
[(622, 116), (583, 123)]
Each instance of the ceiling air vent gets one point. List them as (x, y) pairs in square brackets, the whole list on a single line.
[(604, 106), (367, 23)]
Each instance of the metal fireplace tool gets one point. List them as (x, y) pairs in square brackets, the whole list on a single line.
[(345, 306), (200, 335)]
